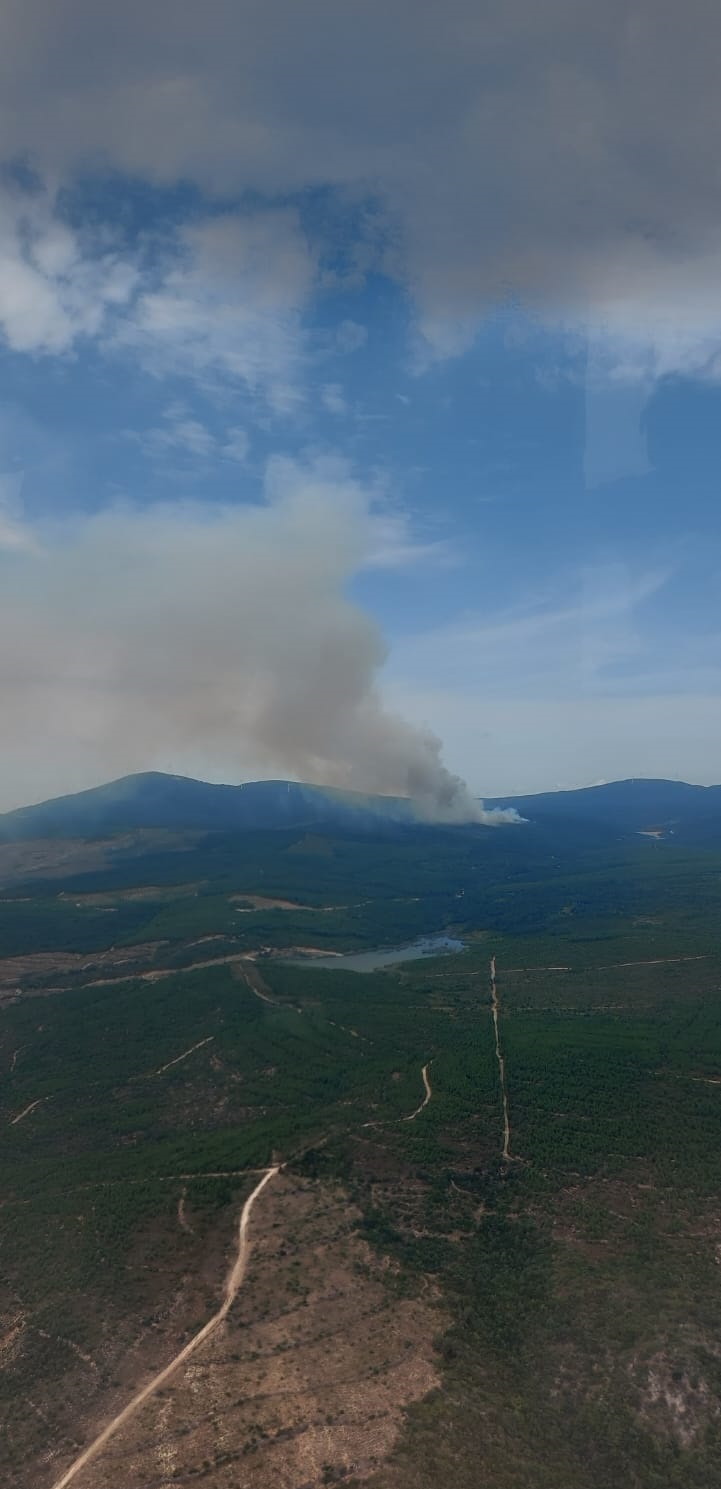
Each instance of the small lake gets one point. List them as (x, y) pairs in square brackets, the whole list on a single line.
[(376, 961)]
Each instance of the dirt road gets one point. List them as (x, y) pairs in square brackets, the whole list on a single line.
[(27, 1110), (658, 961), (232, 1287), (506, 1154), (154, 974), (426, 1098), (185, 1054), (247, 970), (182, 1217)]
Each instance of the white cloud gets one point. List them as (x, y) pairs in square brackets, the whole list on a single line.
[(559, 153), (55, 286), (230, 304), (182, 435), (236, 445), (224, 301), (333, 399), (188, 436), (395, 543)]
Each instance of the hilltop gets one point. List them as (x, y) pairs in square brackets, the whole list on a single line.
[(179, 803)]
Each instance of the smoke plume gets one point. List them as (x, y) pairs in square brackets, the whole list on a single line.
[(216, 639)]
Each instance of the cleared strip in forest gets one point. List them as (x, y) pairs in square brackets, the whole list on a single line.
[(218, 1173), (26, 1112), (185, 1054), (658, 961), (506, 1153)]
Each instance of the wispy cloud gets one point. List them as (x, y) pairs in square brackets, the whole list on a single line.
[(16, 535), (229, 305), (182, 435), (583, 634), (57, 285), (350, 336), (397, 544), (333, 399), (509, 745), (220, 298), (235, 445)]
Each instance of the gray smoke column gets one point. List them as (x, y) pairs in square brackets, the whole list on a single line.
[(222, 639)]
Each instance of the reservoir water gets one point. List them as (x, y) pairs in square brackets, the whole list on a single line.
[(376, 961)]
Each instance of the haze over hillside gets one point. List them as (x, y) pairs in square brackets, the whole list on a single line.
[(155, 800)]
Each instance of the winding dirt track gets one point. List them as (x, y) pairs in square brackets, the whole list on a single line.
[(506, 1154), (232, 1287), (426, 1098)]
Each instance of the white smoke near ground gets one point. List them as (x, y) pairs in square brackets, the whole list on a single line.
[(139, 638)]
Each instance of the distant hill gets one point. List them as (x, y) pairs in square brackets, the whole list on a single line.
[(154, 800), (669, 808)]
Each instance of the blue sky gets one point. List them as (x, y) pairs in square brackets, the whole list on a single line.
[(452, 292)]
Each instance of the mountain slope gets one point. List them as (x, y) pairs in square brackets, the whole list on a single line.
[(157, 800), (634, 805)]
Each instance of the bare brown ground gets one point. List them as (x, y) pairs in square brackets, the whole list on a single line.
[(309, 951), (50, 858), (153, 1387), (251, 902), (183, 1221), (44, 964), (27, 975), (246, 903), (14, 969), (248, 973), (308, 1373)]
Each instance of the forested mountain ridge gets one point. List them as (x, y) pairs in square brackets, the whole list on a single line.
[(632, 805), (157, 800)]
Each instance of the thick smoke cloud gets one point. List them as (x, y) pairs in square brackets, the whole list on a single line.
[(180, 635)]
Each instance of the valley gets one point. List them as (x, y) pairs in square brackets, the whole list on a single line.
[(454, 1220)]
